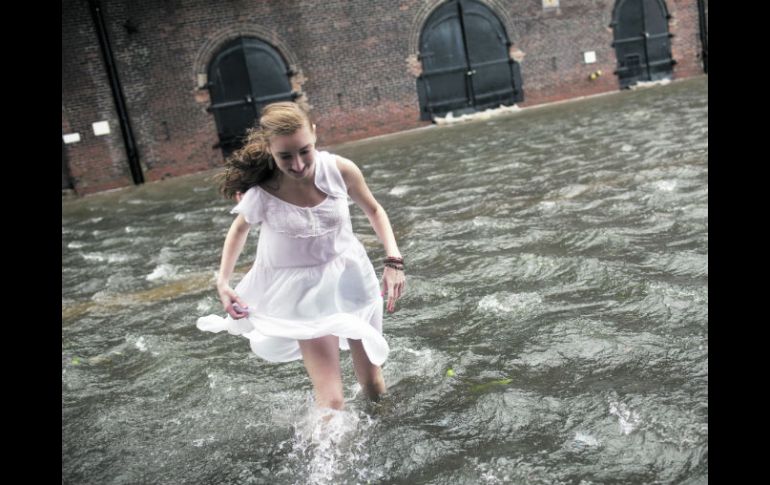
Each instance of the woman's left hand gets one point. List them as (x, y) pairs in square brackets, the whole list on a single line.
[(394, 281)]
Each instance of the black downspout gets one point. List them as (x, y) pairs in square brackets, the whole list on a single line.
[(117, 92), (704, 35), (66, 178)]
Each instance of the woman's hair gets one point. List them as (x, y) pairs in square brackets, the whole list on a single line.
[(253, 163)]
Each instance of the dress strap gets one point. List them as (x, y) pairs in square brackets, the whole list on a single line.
[(328, 176)]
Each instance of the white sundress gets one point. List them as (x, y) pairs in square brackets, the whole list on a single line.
[(311, 277)]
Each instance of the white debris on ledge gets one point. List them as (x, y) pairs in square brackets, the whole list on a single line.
[(481, 115), (647, 84)]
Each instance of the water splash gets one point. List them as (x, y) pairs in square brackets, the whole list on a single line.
[(109, 257), (627, 418), (649, 84), (162, 271), (330, 446), (482, 115), (141, 344), (516, 303), (585, 439)]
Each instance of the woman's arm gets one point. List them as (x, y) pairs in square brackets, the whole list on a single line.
[(362, 196), (234, 242), (393, 280)]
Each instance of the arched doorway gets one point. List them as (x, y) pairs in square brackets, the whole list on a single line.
[(642, 41), (465, 62), (244, 76)]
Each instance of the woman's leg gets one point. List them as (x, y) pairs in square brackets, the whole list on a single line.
[(322, 360), (368, 374)]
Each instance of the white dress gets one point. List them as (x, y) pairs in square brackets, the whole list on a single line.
[(311, 277)]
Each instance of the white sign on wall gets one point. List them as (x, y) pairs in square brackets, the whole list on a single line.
[(589, 57), (71, 138), (101, 128)]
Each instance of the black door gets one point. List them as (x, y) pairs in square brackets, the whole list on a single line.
[(466, 66), (244, 76), (642, 41)]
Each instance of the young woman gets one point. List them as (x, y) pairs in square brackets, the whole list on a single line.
[(312, 289)]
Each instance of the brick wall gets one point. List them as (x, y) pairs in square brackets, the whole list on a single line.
[(95, 163), (355, 61)]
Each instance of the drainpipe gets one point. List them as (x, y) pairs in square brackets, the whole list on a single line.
[(117, 92), (704, 35)]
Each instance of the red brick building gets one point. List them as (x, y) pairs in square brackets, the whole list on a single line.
[(152, 89)]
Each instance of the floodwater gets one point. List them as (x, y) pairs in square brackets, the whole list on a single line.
[(557, 263)]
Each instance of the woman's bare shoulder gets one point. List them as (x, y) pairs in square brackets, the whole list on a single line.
[(343, 163), (347, 168)]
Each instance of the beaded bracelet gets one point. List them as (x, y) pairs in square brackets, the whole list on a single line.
[(394, 262)]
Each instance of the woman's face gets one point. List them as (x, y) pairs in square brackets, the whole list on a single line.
[(293, 154)]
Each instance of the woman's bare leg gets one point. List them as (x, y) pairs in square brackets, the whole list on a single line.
[(322, 360), (368, 374)]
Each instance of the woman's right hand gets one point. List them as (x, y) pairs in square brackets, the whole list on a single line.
[(228, 296)]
